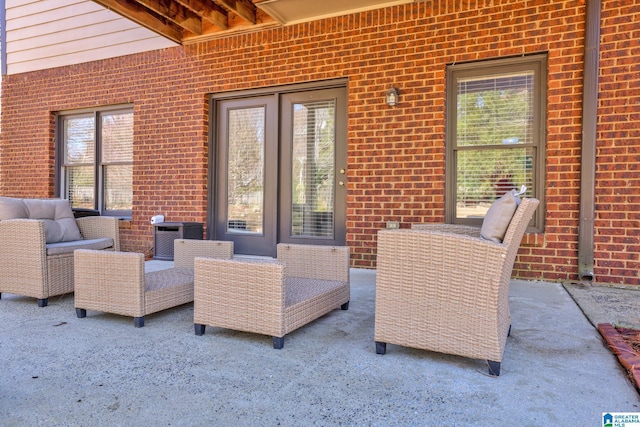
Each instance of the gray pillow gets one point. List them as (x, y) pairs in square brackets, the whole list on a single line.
[(498, 217), (11, 208), (59, 222)]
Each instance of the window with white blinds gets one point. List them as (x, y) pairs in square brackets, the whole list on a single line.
[(495, 133), (97, 160)]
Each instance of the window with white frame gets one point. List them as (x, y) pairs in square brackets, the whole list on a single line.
[(495, 134), (96, 160)]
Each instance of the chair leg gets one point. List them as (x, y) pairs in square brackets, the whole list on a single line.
[(42, 302), (345, 306), (138, 322), (509, 333), (278, 342), (381, 347), (494, 368), (81, 313), (199, 329)]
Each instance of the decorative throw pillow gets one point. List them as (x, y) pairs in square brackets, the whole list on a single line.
[(498, 217)]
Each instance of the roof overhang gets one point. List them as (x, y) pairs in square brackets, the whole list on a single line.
[(184, 21)]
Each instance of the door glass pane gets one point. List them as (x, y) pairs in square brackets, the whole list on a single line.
[(245, 180), (313, 169)]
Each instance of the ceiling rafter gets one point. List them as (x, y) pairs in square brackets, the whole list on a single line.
[(176, 13), (143, 16), (209, 11), (243, 8)]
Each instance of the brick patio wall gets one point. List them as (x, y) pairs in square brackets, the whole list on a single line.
[(395, 155)]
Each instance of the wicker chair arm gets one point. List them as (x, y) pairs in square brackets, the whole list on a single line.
[(110, 281), (468, 230), (96, 227), (452, 260), (244, 295), (186, 250), (315, 262)]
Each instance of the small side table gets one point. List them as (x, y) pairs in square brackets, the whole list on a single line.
[(166, 232)]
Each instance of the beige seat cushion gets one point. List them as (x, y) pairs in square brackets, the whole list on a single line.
[(61, 248)]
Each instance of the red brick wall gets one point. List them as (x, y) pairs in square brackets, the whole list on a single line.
[(617, 222), (396, 155)]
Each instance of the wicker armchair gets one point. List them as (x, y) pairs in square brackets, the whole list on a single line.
[(271, 297), (31, 267), (443, 288)]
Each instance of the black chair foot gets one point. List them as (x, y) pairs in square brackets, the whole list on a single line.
[(81, 313), (199, 329), (509, 333), (43, 302), (494, 368), (345, 306), (138, 322), (278, 342), (381, 347)]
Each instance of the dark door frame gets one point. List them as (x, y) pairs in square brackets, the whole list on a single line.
[(212, 184)]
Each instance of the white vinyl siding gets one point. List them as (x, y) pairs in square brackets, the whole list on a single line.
[(53, 33)]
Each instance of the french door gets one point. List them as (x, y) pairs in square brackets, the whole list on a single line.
[(280, 170)]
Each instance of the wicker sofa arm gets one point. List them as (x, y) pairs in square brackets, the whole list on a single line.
[(96, 227), (315, 262), (23, 265)]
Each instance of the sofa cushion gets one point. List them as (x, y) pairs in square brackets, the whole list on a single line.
[(59, 222), (11, 208), (62, 248), (498, 217)]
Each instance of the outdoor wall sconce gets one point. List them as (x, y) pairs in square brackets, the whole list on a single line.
[(391, 96)]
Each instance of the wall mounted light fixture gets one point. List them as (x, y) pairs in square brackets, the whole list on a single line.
[(391, 96)]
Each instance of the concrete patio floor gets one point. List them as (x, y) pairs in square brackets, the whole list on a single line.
[(101, 371)]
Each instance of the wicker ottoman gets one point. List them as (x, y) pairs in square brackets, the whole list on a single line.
[(116, 283), (272, 297)]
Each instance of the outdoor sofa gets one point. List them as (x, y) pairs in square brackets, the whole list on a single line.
[(37, 241)]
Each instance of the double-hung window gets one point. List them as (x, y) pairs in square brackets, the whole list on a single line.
[(495, 134), (96, 160)]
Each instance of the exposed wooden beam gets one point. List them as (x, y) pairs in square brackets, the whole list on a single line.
[(243, 8), (142, 16), (209, 11), (176, 13)]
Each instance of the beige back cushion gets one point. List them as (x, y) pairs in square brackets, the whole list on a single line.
[(59, 222), (498, 217)]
